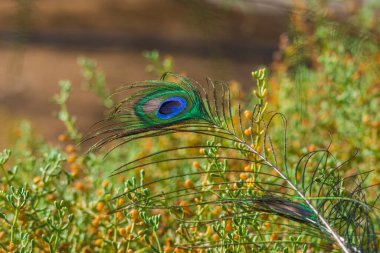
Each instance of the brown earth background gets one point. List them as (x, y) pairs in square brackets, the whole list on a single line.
[(40, 41)]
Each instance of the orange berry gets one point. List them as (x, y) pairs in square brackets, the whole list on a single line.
[(183, 203), (79, 186), (311, 148), (229, 227), (248, 131), (120, 202), (96, 221), (119, 216), (71, 158), (168, 250), (63, 137), (37, 179), (40, 232), (248, 114), (273, 237), (375, 124), (100, 206), (135, 214), (196, 164), (247, 168), (243, 176), (110, 232), (123, 232), (11, 246), (267, 225), (169, 242), (70, 148), (75, 169), (189, 183), (99, 242), (217, 210), (215, 237), (40, 184), (186, 207), (106, 183)]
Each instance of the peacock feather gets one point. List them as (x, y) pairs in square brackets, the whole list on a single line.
[(301, 200)]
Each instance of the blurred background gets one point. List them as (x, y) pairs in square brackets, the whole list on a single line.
[(40, 41)]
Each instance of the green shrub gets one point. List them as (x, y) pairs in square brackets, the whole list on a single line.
[(60, 198)]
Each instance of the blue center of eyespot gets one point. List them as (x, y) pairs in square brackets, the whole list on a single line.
[(171, 107)]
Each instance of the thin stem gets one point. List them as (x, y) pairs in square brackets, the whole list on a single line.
[(15, 220), (56, 241), (158, 241), (131, 231)]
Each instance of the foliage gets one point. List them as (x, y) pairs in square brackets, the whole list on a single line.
[(326, 83), (60, 199)]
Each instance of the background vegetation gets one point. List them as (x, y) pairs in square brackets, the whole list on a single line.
[(324, 79)]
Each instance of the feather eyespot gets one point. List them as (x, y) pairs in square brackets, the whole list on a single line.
[(171, 107)]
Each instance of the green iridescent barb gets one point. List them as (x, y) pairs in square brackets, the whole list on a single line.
[(316, 202), (162, 103)]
